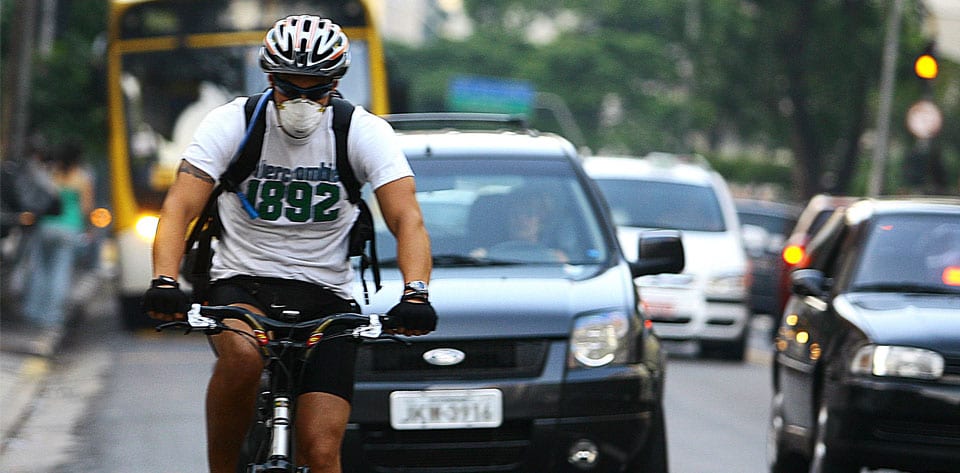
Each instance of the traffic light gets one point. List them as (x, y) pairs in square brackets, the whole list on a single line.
[(926, 65)]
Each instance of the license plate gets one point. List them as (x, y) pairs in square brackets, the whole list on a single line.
[(446, 409)]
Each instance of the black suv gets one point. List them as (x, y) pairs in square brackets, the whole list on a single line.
[(541, 360)]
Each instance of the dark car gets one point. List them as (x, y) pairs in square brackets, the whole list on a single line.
[(815, 213), (541, 360), (867, 362), (764, 226)]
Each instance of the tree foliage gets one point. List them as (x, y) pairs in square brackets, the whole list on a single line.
[(67, 93), (745, 77)]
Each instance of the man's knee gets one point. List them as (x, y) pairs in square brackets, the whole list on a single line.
[(321, 455), (238, 365)]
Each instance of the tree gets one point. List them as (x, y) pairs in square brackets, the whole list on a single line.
[(66, 94), (695, 76)]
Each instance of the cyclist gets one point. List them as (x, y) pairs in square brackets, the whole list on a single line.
[(293, 257)]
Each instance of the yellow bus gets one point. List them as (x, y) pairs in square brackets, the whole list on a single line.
[(169, 62)]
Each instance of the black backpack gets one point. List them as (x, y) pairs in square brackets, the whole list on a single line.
[(199, 244)]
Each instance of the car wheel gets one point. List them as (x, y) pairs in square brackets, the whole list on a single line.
[(733, 350), (653, 457), (779, 459), (827, 459)]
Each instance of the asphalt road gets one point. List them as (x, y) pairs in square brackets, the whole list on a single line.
[(116, 402)]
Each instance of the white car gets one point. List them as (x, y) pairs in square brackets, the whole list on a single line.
[(707, 303)]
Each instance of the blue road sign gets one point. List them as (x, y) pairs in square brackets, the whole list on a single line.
[(490, 94)]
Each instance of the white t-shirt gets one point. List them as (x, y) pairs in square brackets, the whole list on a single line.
[(305, 215)]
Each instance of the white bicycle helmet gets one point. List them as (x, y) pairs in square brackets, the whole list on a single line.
[(305, 45)]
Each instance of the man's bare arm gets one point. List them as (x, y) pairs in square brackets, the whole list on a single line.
[(184, 201), (401, 212)]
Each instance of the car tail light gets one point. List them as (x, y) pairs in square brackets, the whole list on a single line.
[(793, 254)]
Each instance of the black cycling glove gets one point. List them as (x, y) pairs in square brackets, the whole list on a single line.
[(414, 316), (165, 299)]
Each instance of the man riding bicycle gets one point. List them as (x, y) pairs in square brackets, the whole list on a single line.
[(291, 262)]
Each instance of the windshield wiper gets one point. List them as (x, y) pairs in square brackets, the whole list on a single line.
[(907, 287), (454, 259)]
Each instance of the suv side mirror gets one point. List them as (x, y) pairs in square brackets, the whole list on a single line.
[(658, 251), (809, 282)]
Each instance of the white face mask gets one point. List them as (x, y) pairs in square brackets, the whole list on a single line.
[(299, 117)]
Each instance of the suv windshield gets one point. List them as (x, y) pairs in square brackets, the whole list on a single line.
[(913, 253), (654, 204), (482, 212)]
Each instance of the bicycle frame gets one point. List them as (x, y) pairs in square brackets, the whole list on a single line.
[(276, 406)]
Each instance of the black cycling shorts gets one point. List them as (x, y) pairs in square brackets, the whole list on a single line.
[(330, 368)]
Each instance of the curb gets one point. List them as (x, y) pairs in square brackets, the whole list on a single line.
[(18, 396)]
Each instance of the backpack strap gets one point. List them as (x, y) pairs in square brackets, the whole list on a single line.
[(362, 231), (342, 115), (250, 148)]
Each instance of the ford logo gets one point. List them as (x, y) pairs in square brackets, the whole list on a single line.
[(444, 356)]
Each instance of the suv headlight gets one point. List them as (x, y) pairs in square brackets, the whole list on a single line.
[(903, 362), (726, 287), (599, 339)]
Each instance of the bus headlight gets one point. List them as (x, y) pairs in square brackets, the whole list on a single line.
[(147, 227), (599, 339), (903, 362)]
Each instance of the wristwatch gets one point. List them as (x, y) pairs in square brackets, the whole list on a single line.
[(415, 289), (164, 281)]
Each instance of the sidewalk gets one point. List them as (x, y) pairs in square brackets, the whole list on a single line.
[(27, 355)]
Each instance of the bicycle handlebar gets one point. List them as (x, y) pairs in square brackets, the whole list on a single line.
[(210, 319)]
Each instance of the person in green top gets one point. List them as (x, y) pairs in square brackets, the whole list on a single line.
[(54, 245)]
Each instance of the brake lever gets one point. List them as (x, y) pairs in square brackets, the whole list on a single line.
[(174, 324), (374, 330), (199, 321)]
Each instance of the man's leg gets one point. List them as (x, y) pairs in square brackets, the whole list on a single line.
[(321, 422), (231, 396)]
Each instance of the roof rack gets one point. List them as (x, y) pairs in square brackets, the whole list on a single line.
[(456, 120)]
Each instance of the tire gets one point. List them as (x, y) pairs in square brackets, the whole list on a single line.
[(828, 459), (653, 457), (256, 443), (733, 350), (779, 458)]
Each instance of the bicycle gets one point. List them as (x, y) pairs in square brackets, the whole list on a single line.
[(284, 346)]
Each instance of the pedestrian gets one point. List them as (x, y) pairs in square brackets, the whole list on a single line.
[(289, 257), (54, 243)]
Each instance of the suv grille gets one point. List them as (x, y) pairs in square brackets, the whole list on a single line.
[(485, 359), (952, 366)]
